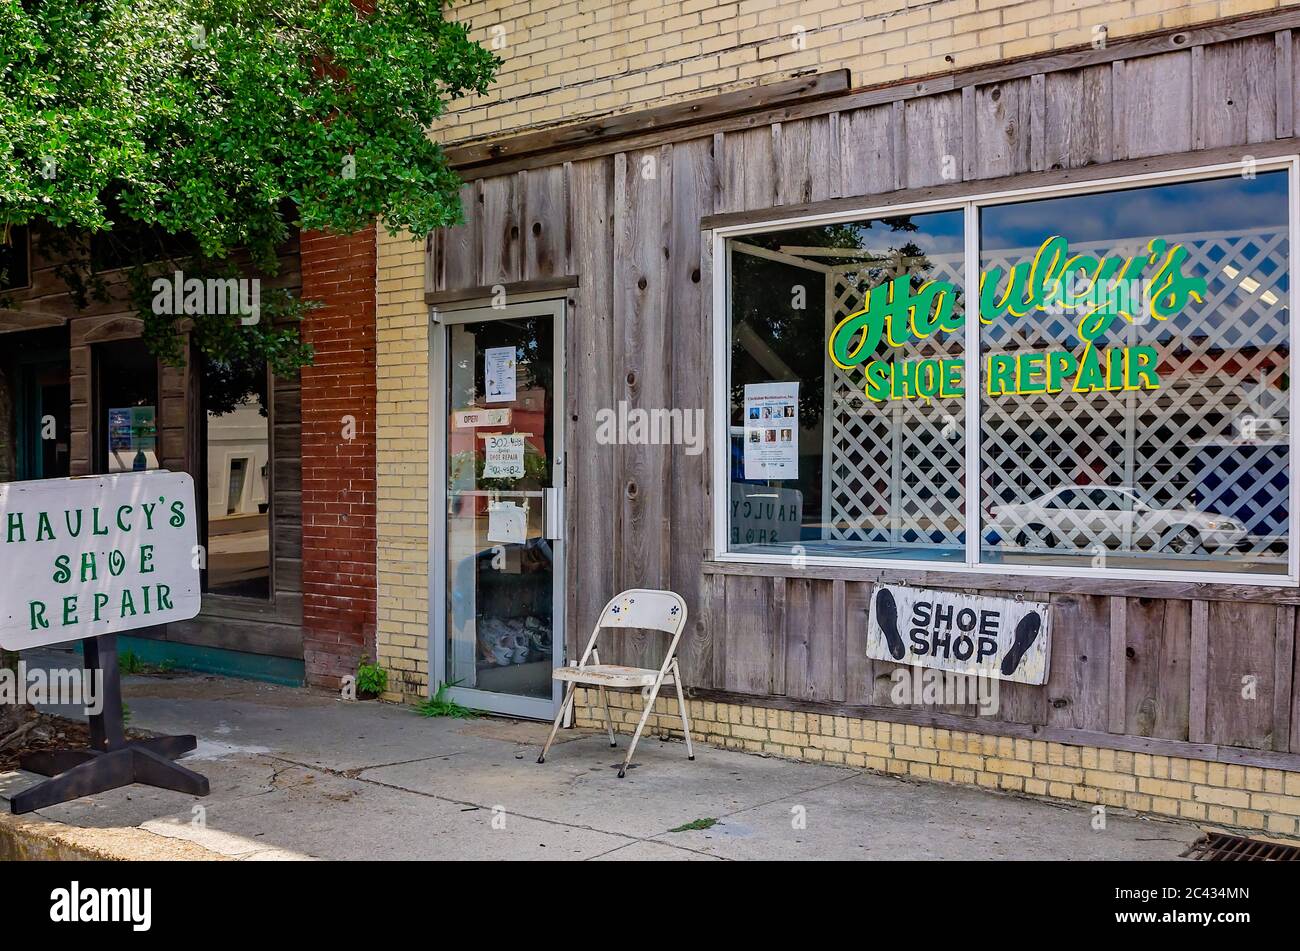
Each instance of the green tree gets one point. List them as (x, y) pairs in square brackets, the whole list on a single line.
[(204, 131)]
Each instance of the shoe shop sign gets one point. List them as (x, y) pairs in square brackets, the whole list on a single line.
[(96, 555), (990, 637)]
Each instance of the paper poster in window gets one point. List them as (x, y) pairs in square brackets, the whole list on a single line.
[(503, 456), (499, 372), (771, 430)]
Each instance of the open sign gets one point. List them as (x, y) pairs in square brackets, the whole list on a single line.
[(967, 634)]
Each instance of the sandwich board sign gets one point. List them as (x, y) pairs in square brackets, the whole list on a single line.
[(96, 555), (1002, 638), (89, 558)]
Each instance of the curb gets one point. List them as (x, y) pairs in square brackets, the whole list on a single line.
[(24, 839)]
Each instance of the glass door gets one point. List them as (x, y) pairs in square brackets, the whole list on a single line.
[(497, 594)]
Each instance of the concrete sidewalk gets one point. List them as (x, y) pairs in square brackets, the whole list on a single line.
[(301, 774)]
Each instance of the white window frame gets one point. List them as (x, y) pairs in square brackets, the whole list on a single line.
[(971, 205)]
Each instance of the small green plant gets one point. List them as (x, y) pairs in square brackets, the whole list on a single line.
[(699, 825), (439, 705), (129, 662), (372, 680), (126, 714)]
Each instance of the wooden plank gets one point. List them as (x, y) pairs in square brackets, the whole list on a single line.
[(1283, 680), (432, 260), (1240, 674), (1080, 57), (499, 199), (716, 590), (1284, 79), (1003, 118), (1078, 120), (1157, 105), (1118, 113), (839, 639), (810, 616), (778, 625), (932, 129), (1078, 683), (748, 635), (750, 170), (1116, 698), (461, 247), (593, 510), (1157, 684), (859, 670), (1237, 100), (824, 155), (643, 196), (1198, 104), (610, 128), (1295, 700), (560, 284), (792, 144), (690, 345), (545, 223), (868, 149), (1198, 671), (1038, 122), (956, 191)]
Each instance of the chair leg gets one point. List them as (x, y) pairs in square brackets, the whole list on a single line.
[(559, 718), (681, 706), (645, 715), (609, 718)]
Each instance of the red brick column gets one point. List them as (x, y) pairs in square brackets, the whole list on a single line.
[(338, 474)]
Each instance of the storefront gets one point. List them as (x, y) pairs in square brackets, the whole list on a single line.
[(1022, 333), (288, 533)]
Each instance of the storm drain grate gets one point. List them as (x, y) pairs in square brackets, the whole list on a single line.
[(1217, 847)]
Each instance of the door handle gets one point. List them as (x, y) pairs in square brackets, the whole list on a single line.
[(554, 527)]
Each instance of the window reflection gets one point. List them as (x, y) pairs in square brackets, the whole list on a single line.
[(238, 461)]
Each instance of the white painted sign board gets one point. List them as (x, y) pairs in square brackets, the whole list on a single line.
[(96, 555), (967, 634)]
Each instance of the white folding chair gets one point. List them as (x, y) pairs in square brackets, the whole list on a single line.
[(635, 608)]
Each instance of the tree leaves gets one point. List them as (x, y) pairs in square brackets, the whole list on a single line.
[(230, 121)]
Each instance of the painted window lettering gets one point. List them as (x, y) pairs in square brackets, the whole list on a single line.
[(1099, 291)]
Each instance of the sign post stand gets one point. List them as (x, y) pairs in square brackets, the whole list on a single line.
[(90, 557), (112, 760)]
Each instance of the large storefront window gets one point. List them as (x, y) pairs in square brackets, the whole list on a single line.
[(1128, 365)]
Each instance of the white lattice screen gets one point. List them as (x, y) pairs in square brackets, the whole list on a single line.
[(1213, 436)]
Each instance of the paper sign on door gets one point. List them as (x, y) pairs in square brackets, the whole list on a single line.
[(503, 456), (472, 418), (499, 371), (507, 522)]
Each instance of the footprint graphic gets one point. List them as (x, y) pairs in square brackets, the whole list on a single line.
[(887, 618), (1026, 633)]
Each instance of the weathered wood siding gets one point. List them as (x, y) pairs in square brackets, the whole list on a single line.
[(1149, 666)]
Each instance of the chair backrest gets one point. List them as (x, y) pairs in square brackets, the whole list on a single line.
[(642, 608)]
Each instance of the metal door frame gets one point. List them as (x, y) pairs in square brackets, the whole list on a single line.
[(440, 319)]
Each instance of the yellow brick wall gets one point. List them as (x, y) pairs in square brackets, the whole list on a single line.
[(567, 59), (1242, 797), (402, 466)]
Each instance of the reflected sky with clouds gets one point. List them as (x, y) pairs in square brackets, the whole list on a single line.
[(1222, 204)]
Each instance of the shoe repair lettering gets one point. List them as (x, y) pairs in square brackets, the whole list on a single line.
[(1098, 292)]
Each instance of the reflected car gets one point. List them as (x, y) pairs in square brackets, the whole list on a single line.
[(1114, 518)]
